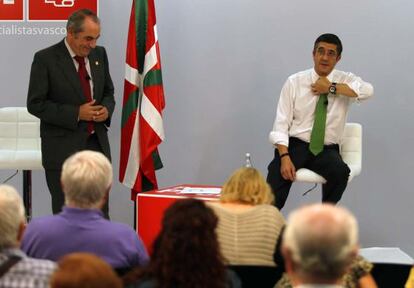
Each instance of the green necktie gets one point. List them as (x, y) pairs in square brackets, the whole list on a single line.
[(318, 130)]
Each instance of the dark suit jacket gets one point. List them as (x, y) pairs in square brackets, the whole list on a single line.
[(55, 95)]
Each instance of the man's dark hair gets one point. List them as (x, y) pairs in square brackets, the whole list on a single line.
[(331, 39), (76, 19)]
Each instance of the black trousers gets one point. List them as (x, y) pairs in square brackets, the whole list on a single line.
[(328, 164), (55, 188)]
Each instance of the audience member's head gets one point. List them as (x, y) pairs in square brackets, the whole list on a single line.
[(186, 252), (247, 186), (86, 179), (84, 270), (319, 243), (12, 217)]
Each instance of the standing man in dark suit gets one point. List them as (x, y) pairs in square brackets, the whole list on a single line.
[(72, 93)]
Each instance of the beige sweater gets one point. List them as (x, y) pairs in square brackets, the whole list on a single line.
[(248, 237)]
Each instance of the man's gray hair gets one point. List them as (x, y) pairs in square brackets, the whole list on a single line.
[(86, 178), (322, 240), (12, 215), (76, 19)]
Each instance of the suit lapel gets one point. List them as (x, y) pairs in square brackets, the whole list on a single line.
[(95, 66), (68, 69)]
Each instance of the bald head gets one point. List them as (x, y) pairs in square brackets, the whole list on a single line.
[(321, 241)]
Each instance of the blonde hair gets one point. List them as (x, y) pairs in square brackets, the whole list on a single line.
[(247, 185)]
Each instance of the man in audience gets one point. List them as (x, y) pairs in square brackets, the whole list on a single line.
[(16, 269), (319, 244), (80, 227)]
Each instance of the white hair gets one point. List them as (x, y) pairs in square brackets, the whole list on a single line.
[(322, 240), (86, 178), (12, 215)]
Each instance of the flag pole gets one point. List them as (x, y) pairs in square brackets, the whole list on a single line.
[(135, 215)]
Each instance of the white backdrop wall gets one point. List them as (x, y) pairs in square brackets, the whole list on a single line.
[(224, 63)]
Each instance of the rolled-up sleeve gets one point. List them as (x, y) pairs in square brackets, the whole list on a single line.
[(284, 116), (363, 89)]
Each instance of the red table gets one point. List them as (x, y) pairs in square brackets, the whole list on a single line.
[(151, 206)]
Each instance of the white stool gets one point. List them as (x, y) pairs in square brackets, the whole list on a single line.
[(20, 147), (350, 150)]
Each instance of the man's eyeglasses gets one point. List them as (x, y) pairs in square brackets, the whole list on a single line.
[(330, 53)]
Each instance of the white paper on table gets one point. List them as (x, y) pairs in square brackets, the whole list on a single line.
[(169, 190), (200, 190), (386, 255)]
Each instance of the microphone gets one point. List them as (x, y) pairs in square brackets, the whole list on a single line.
[(326, 102), (87, 77)]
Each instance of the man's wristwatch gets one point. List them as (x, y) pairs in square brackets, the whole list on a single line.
[(332, 88)]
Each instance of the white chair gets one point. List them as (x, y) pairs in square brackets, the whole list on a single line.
[(20, 147), (350, 150)]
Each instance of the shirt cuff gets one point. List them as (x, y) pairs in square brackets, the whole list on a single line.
[(279, 138)]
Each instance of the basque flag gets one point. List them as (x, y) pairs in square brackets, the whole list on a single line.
[(142, 123)]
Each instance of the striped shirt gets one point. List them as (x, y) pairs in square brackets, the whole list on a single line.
[(249, 237)]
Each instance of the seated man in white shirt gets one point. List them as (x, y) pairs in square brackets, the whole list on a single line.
[(302, 143), (319, 244)]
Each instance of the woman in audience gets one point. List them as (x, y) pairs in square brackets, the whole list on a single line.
[(249, 226), (186, 252), (84, 270)]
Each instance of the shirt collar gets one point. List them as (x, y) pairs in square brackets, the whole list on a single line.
[(13, 252), (315, 75), (73, 54), (80, 212)]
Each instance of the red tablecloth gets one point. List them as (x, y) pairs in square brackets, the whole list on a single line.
[(151, 206)]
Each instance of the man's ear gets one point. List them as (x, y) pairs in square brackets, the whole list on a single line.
[(20, 232), (354, 253), (352, 256), (287, 257), (106, 197), (338, 58), (70, 34)]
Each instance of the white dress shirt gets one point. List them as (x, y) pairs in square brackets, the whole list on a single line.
[(297, 103)]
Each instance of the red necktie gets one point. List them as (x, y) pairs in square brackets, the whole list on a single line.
[(86, 87)]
